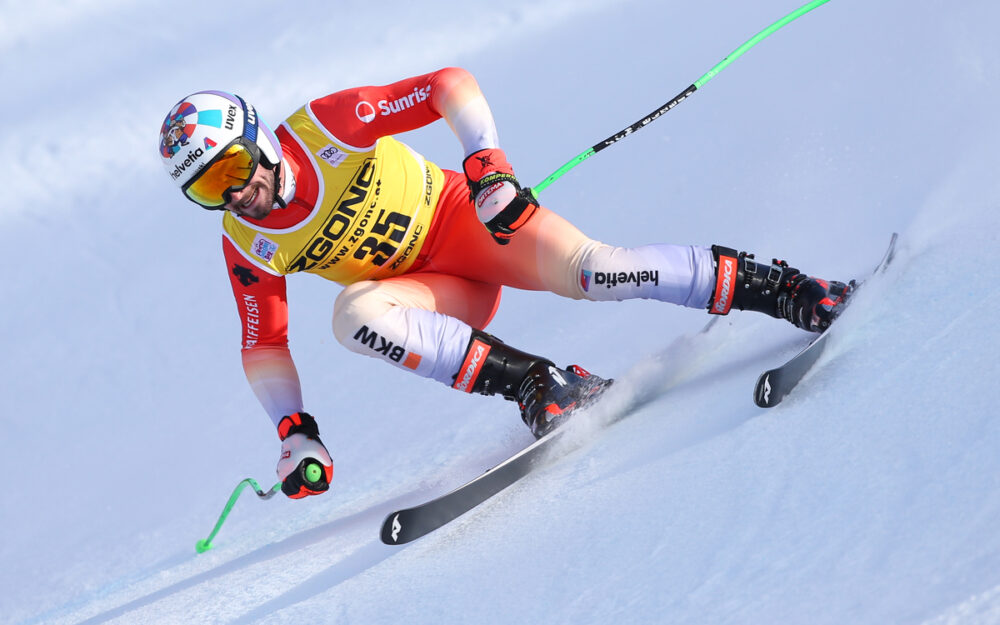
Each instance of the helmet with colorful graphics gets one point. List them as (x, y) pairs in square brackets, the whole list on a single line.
[(211, 142)]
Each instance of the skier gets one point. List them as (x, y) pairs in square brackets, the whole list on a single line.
[(422, 251)]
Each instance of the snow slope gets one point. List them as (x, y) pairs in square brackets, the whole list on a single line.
[(872, 495)]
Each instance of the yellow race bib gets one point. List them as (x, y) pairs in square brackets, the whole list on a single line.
[(371, 216)]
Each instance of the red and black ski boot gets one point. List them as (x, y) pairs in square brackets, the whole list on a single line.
[(546, 395), (775, 289)]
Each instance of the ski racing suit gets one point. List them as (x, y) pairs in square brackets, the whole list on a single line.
[(402, 235)]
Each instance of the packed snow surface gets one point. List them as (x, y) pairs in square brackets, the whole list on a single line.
[(872, 495)]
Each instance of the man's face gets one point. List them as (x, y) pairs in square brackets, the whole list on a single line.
[(256, 199)]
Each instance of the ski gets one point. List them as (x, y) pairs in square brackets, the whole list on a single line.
[(775, 384), (409, 524)]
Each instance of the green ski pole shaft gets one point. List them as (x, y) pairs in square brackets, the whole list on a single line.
[(680, 97), (205, 544)]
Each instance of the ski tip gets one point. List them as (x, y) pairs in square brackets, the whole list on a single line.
[(889, 253)]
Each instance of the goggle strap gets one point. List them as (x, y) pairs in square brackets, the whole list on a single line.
[(249, 132)]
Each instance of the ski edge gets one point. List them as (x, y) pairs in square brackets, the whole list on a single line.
[(398, 532), (394, 532), (767, 396)]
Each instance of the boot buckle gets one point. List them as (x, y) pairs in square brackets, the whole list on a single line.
[(774, 274)]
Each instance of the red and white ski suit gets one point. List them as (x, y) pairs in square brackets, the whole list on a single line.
[(402, 235)]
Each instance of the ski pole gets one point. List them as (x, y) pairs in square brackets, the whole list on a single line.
[(680, 97), (311, 472), (205, 544)]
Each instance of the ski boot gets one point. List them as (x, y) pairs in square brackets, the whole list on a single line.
[(546, 395), (776, 290)]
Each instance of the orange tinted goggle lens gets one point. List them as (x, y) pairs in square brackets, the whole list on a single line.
[(231, 169)]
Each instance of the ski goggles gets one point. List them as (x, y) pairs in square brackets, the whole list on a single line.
[(231, 170)]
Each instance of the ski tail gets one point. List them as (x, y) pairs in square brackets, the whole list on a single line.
[(775, 384)]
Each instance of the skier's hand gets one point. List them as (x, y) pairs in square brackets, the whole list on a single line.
[(305, 467), (501, 204)]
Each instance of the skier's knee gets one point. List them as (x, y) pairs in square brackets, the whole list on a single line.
[(356, 306)]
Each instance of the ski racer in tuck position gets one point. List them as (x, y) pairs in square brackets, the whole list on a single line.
[(422, 251)]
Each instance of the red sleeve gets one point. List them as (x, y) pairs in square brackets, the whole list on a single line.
[(360, 116), (267, 362), (260, 298)]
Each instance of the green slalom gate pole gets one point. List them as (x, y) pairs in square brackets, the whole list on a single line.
[(735, 54), (205, 544)]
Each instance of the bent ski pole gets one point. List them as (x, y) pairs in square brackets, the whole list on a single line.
[(205, 544), (680, 97)]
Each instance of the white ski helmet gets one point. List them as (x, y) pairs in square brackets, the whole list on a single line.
[(201, 129)]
